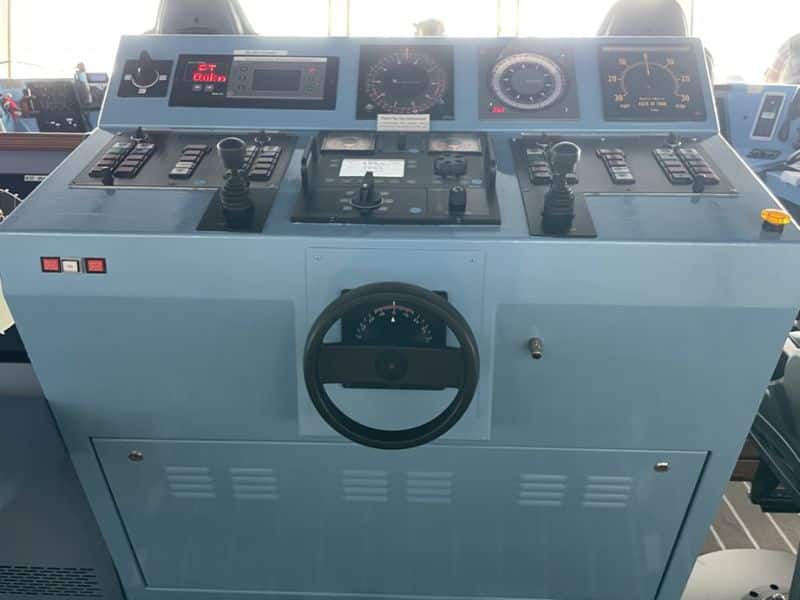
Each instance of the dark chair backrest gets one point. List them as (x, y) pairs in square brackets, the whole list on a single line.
[(217, 17), (645, 17)]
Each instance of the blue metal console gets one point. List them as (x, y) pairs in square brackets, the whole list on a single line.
[(607, 364), (763, 123)]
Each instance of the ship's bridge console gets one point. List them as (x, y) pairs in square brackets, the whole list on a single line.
[(403, 318)]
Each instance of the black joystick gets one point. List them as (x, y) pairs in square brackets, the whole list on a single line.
[(237, 207), (559, 202), (145, 75)]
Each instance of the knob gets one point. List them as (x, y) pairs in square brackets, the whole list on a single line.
[(140, 135), (564, 157), (232, 152), (457, 202), (145, 74), (367, 199), (699, 185), (450, 165), (107, 177)]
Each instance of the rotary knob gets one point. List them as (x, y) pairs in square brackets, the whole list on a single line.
[(145, 74)]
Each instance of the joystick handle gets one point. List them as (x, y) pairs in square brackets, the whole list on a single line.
[(231, 151), (559, 201), (564, 157)]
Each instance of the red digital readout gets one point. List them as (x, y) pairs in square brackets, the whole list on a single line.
[(208, 72)]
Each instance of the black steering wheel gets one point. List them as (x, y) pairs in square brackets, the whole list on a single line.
[(391, 366)]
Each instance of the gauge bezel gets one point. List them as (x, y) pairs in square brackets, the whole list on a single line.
[(545, 62), (686, 63), (372, 55)]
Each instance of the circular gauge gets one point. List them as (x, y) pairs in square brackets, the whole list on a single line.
[(406, 82), (528, 81), (393, 324), (653, 83)]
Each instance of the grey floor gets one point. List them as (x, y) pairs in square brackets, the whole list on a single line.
[(740, 524)]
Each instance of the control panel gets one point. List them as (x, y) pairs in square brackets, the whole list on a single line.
[(408, 132), (398, 178), (644, 166)]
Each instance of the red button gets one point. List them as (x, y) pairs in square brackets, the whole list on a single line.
[(51, 264), (95, 265)]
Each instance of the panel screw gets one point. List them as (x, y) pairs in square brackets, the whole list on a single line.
[(661, 467), (135, 456), (536, 348)]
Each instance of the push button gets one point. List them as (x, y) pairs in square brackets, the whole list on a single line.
[(51, 264)]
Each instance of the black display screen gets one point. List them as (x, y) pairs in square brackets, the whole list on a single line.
[(276, 80)]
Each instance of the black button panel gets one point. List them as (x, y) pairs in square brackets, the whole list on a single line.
[(112, 158), (539, 166), (134, 160), (673, 166), (616, 165), (190, 158), (698, 166), (262, 162)]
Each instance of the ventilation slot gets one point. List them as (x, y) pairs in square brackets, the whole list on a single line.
[(428, 487), (49, 581), (543, 491), (607, 492), (194, 483), (254, 483), (365, 485)]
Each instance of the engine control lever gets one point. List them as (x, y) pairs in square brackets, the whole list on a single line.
[(367, 199), (559, 201), (237, 206)]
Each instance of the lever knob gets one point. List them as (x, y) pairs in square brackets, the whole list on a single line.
[(232, 152), (145, 75), (367, 198), (457, 202), (564, 157)]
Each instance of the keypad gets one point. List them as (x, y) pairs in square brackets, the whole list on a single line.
[(263, 162), (698, 166), (191, 156), (112, 158), (616, 165), (673, 166), (135, 160), (538, 166)]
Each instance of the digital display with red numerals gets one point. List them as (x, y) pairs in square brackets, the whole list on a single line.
[(206, 72)]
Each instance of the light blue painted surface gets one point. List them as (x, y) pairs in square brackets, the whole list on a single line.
[(659, 336), (742, 103)]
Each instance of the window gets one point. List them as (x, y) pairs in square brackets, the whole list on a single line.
[(294, 18), (744, 37), (461, 18), (48, 38)]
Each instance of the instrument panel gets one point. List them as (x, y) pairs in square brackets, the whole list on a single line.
[(549, 83), (256, 81), (406, 80), (651, 83)]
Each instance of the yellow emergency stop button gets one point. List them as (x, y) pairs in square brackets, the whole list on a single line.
[(776, 217)]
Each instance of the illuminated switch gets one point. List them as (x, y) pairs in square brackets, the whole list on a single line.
[(70, 265), (95, 265), (51, 264)]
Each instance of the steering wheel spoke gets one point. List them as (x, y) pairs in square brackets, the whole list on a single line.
[(389, 366)]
